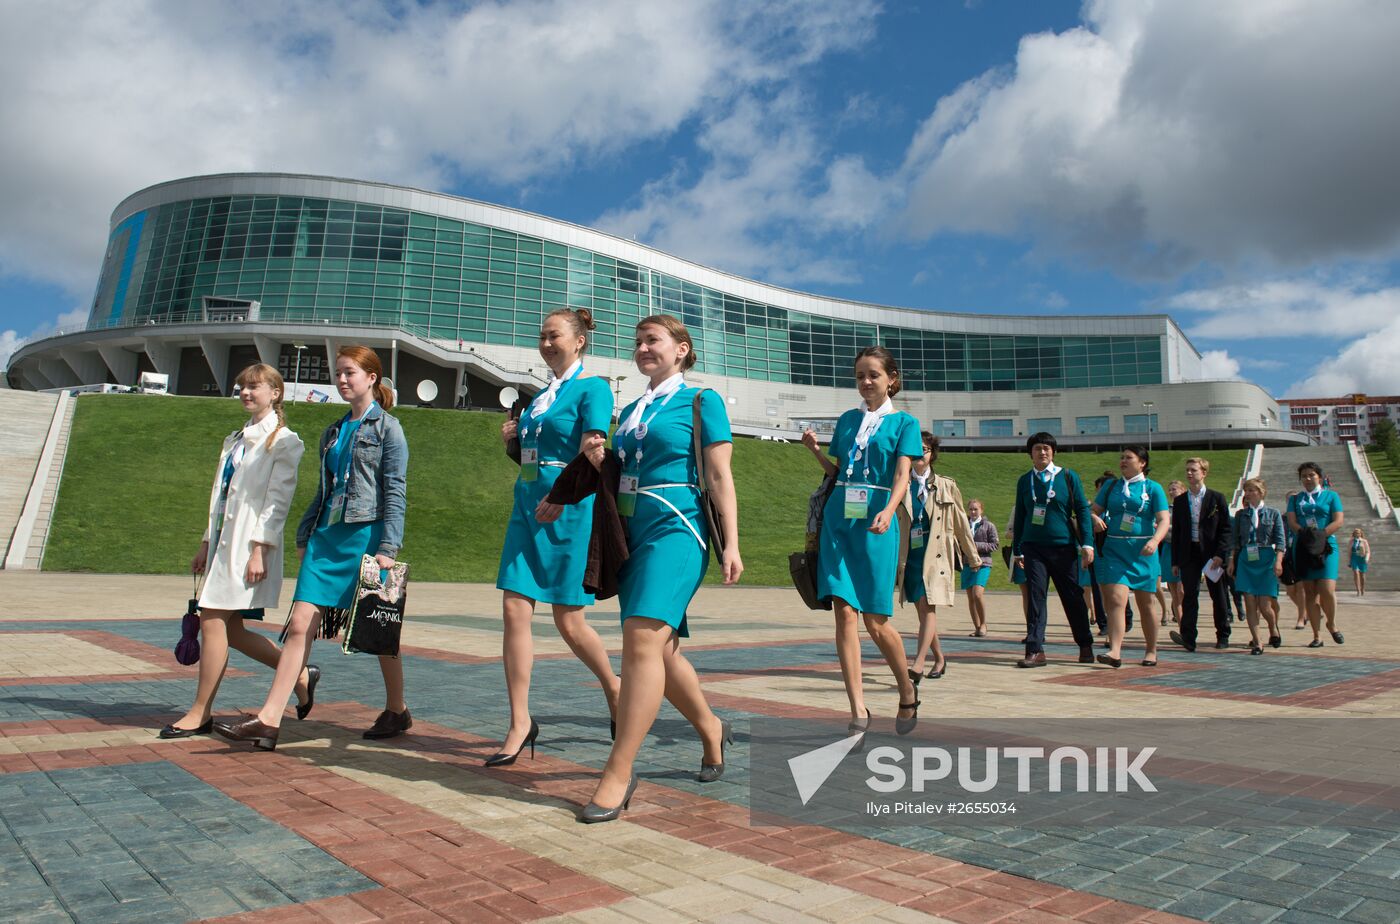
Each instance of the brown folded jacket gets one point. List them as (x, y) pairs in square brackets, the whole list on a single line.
[(607, 546)]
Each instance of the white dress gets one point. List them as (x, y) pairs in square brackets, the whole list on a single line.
[(259, 496)]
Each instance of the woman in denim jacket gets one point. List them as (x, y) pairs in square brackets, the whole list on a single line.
[(1257, 548), (358, 510)]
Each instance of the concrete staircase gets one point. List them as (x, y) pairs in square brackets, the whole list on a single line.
[(25, 417), (1280, 474)]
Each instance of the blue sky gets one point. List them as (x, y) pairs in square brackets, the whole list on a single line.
[(1229, 164)]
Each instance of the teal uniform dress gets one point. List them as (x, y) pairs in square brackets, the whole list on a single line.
[(1358, 561), (331, 568), (1317, 512), (1164, 561), (546, 561), (974, 575), (667, 536), (856, 565), (1256, 578), (918, 532), (1132, 521), (1018, 574)]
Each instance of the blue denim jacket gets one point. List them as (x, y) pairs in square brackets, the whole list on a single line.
[(377, 487), (1270, 532)]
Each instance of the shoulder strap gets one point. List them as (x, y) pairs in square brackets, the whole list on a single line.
[(695, 440)]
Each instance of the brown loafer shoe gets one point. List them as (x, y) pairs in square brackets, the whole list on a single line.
[(1034, 660), (390, 725), (250, 728)]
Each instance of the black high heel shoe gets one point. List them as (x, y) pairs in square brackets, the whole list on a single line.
[(905, 726), (313, 677), (856, 728), (914, 676), (593, 813), (502, 759), (711, 772)]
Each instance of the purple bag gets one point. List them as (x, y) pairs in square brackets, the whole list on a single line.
[(187, 648)]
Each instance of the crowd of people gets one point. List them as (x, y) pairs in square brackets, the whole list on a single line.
[(639, 519)]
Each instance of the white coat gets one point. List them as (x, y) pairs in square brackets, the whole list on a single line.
[(259, 497)]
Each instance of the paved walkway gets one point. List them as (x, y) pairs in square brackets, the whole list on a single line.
[(100, 821)]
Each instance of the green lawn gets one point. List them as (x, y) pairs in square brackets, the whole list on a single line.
[(1386, 471), (136, 483)]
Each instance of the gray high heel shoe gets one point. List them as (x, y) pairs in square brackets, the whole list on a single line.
[(711, 772), (594, 813)]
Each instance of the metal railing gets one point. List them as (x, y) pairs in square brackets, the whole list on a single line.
[(1253, 465), (1375, 493)]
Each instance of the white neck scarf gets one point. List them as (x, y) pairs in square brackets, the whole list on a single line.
[(974, 524), (1139, 477), (1314, 495), (922, 481), (870, 422), (662, 392), (1254, 511), (546, 397)]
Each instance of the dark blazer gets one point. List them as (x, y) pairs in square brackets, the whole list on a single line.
[(607, 545), (1215, 530)]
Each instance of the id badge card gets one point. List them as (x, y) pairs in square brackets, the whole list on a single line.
[(1311, 522), (1038, 515), (857, 503), (627, 495), (337, 506), (916, 537), (1251, 553), (1128, 523), (529, 463)]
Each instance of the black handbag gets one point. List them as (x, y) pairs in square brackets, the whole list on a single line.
[(376, 613), (713, 519), (802, 566)]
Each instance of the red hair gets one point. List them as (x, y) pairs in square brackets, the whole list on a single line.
[(368, 360)]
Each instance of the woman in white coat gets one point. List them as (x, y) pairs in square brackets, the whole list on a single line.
[(241, 553)]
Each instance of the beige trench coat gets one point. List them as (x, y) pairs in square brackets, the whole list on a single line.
[(949, 531), (259, 497)]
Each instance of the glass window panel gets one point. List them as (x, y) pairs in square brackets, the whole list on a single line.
[(1088, 425)]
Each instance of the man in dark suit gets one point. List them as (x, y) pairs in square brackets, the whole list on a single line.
[(1200, 537)]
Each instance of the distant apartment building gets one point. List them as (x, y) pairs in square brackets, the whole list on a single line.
[(1348, 419)]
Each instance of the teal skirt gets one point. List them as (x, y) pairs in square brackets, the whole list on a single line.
[(1358, 563), (331, 568), (974, 577), (1256, 578), (1122, 562)]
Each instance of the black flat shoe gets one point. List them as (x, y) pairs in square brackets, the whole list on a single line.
[(905, 726), (1315, 643), (1275, 641), (502, 759), (612, 729), (1149, 662), (171, 731), (593, 813), (1336, 637), (935, 673), (711, 772), (313, 677), (389, 725), (1110, 661), (1255, 650)]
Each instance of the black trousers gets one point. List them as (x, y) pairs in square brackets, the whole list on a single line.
[(1191, 599), (1060, 564)]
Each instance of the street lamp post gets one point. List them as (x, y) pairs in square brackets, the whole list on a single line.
[(1148, 405), (296, 375), (617, 388)]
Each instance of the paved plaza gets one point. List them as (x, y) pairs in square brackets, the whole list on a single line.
[(102, 822)]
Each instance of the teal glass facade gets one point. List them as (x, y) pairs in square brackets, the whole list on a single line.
[(316, 259)]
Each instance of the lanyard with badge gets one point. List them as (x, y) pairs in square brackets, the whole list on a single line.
[(336, 512), (918, 530), (632, 462), (857, 498), (1315, 507), (1251, 548), (1039, 507), (231, 463), (530, 429), (1128, 522)]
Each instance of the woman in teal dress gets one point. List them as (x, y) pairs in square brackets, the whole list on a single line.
[(858, 552), (1134, 513), (668, 543), (358, 510), (1360, 559), (1257, 548), (544, 562), (1164, 559), (1319, 508)]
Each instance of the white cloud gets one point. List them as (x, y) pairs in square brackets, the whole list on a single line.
[(9, 342), (117, 96), (1163, 134), (1219, 364), (1367, 365), (1289, 308)]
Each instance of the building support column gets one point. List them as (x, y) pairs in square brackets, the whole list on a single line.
[(121, 361), (269, 350), (86, 365), (216, 355), (165, 356)]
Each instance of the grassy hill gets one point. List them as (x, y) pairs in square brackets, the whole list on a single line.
[(135, 488)]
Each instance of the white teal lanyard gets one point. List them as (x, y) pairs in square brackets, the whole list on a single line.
[(632, 462), (857, 454), (1312, 515), (1127, 520), (532, 424)]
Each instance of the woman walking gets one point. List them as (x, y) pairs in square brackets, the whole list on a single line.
[(1164, 559), (1257, 548), (1314, 516), (1360, 559), (668, 542), (932, 517), (545, 561), (975, 574), (874, 446), (1137, 520), (358, 510), (241, 553)]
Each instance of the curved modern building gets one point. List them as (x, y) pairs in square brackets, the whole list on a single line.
[(205, 275)]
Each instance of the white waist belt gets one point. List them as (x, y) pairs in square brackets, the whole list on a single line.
[(649, 490)]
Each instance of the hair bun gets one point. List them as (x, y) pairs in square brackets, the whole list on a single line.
[(585, 318)]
